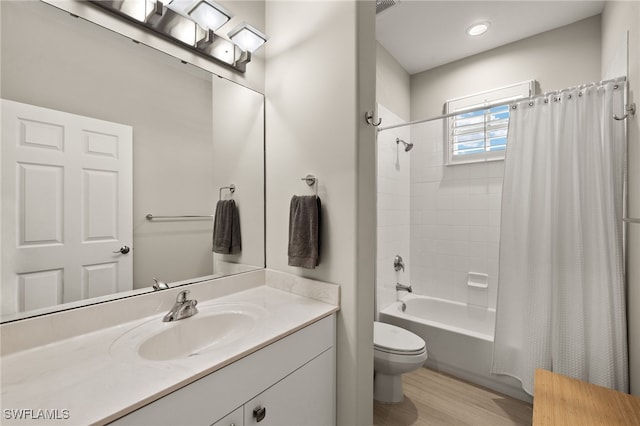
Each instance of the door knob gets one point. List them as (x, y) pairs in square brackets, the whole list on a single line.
[(123, 250)]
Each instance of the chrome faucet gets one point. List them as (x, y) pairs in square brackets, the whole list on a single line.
[(401, 287), (398, 263), (159, 285), (183, 308)]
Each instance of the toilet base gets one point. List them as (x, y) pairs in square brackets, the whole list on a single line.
[(387, 388)]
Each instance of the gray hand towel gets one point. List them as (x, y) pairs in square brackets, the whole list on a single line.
[(226, 228), (304, 231)]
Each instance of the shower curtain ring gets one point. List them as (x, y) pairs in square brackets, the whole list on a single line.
[(369, 117)]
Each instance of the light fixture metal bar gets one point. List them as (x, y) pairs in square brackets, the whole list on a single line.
[(165, 22)]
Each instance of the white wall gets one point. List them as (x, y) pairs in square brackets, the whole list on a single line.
[(393, 85), (393, 175), (363, 293), (393, 208), (455, 210), (559, 58), (619, 17), (320, 75), (238, 158)]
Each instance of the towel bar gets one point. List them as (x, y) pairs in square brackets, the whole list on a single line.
[(152, 217)]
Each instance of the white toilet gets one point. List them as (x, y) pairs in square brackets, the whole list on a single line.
[(395, 351)]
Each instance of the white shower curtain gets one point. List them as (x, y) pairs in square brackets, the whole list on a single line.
[(561, 297)]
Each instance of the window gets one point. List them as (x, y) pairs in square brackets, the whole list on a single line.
[(481, 134)]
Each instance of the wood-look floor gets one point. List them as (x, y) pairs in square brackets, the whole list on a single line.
[(432, 398)]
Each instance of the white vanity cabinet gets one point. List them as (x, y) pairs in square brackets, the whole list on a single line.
[(235, 418), (300, 399), (288, 382)]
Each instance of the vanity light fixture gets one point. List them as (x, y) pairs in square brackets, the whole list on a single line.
[(478, 29), (247, 38), (192, 24), (209, 15)]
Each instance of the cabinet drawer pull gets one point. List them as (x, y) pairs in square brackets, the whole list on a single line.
[(259, 413)]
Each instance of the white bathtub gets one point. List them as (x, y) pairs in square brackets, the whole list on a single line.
[(459, 339)]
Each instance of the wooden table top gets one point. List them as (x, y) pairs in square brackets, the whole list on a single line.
[(563, 401)]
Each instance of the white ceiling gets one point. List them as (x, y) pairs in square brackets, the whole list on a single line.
[(423, 34)]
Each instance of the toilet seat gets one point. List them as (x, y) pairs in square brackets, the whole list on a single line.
[(390, 339)]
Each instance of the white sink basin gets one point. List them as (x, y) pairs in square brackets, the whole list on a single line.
[(213, 327)]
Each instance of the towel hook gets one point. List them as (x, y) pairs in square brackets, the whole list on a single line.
[(311, 180), (231, 188), (628, 109), (368, 116)]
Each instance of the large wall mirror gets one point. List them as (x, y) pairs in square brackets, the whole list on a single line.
[(99, 132)]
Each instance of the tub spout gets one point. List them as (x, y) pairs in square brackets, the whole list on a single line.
[(401, 287)]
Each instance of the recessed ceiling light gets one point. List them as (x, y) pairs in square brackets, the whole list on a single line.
[(478, 29)]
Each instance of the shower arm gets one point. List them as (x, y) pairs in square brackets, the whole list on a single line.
[(407, 145)]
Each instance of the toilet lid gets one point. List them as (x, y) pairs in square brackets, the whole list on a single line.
[(392, 339)]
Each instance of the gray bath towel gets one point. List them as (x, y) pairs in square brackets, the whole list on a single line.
[(304, 231), (226, 228)]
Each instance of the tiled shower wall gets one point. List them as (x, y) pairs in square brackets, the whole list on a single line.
[(454, 221), (443, 220), (393, 211)]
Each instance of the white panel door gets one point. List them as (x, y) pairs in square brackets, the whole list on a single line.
[(66, 207)]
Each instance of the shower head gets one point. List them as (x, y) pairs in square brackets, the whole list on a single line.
[(407, 145)]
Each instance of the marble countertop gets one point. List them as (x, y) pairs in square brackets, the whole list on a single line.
[(82, 380)]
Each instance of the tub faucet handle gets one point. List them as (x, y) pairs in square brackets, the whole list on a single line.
[(398, 263)]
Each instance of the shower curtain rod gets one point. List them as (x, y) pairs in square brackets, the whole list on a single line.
[(628, 108), (451, 114)]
